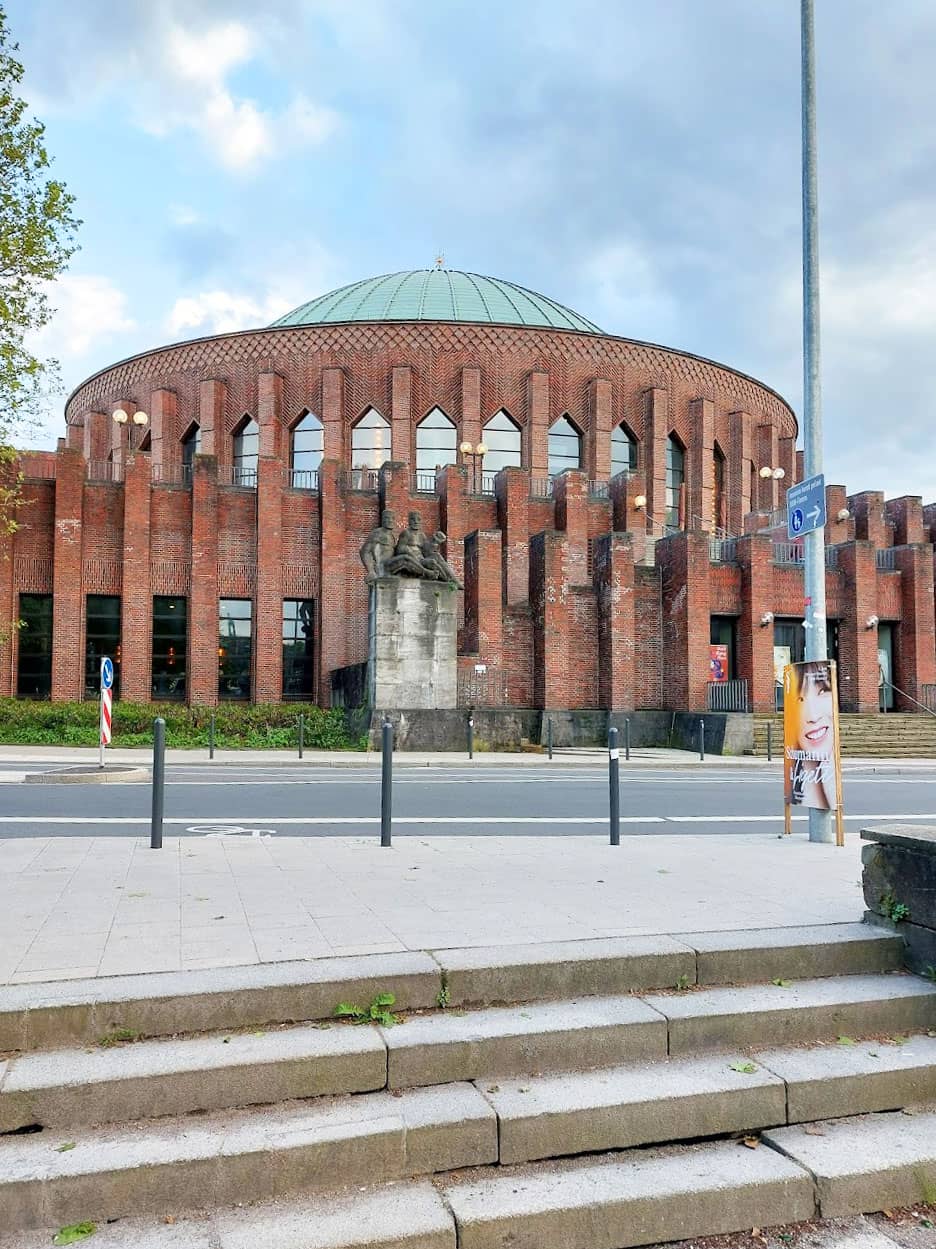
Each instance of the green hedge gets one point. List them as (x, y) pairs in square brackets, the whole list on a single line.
[(261, 726)]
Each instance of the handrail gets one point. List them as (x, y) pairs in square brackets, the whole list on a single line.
[(909, 697)]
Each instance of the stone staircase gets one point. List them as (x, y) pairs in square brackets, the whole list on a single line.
[(588, 1095), (896, 735)]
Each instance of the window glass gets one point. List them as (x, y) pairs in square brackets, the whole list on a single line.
[(235, 648), (191, 445), (719, 519), (436, 442), (501, 436), (623, 451), (370, 441), (102, 637), (34, 647), (298, 649), (675, 477), (565, 446), (246, 452), (306, 451), (170, 647)]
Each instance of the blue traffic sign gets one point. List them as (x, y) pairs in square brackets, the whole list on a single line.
[(806, 509), (107, 673)]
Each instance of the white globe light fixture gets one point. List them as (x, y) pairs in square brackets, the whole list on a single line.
[(120, 416), (139, 418)]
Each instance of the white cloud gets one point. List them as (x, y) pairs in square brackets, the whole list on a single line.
[(222, 312), (89, 310)]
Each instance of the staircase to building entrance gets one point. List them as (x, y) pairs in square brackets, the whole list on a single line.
[(896, 735)]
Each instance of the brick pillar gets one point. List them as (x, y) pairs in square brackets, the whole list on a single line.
[(683, 559), (767, 456), (395, 491), (333, 435), (203, 600), (837, 531), (212, 396), (549, 601), (625, 517), (600, 424), (484, 622), (857, 645), (787, 461), (401, 414), (136, 618), (537, 423), (570, 490), (165, 445), (471, 406), (270, 416), (867, 509), (915, 658), (8, 615), (906, 515), (333, 597), (754, 641), (700, 460), (96, 435), (74, 437), (614, 589), (739, 459), (656, 432), (118, 435), (512, 490), (268, 623), (929, 523), (452, 484), (67, 600)]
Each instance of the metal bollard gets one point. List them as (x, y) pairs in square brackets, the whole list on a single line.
[(614, 785), (159, 781), (470, 737), (702, 740), (769, 742), (549, 743), (301, 732), (627, 740), (386, 781), (211, 736)]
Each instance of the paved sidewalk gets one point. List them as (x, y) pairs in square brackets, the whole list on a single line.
[(84, 906)]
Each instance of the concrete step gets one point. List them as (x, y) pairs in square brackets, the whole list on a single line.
[(61, 1088), (869, 1163), (804, 1010), (242, 1156), (757, 955)]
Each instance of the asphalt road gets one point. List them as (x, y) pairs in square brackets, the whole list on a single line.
[(304, 800)]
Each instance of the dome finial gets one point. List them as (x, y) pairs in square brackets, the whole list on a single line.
[(440, 260)]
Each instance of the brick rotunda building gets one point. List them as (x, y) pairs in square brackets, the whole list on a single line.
[(619, 540)]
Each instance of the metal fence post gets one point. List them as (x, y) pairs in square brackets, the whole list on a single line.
[(702, 740), (211, 736), (470, 735), (549, 739), (159, 778), (301, 732), (386, 781), (614, 785), (769, 741), (627, 739)]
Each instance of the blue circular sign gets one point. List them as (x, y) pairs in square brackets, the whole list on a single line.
[(107, 673), (797, 519)]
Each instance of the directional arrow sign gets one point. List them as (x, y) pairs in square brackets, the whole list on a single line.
[(806, 508)]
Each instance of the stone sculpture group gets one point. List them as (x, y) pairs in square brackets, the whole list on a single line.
[(412, 554)]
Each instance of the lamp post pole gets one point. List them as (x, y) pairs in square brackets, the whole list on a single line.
[(820, 822), (476, 456)]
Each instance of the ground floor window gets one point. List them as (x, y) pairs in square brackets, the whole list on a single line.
[(34, 666), (170, 647), (102, 637), (235, 648), (790, 648), (298, 648)]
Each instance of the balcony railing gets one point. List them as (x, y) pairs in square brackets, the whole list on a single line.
[(885, 559), (485, 484), (599, 490), (103, 470), (237, 475), (302, 478), (360, 479), (171, 474), (794, 554), (723, 550), (541, 487), (424, 482), (727, 695)]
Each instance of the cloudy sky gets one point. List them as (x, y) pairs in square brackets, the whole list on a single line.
[(639, 162)]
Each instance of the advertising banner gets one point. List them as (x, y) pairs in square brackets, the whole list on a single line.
[(812, 771), (718, 662)]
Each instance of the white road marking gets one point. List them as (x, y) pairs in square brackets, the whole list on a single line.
[(447, 819)]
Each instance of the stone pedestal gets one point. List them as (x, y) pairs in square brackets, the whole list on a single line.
[(899, 882), (412, 638)]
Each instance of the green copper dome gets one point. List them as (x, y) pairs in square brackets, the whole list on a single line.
[(437, 295)]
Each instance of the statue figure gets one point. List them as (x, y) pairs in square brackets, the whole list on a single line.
[(377, 547), (448, 573), (418, 555)]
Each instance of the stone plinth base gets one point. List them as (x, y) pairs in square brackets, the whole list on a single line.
[(413, 635), (899, 882)]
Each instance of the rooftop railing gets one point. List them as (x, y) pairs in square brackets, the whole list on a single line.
[(302, 478), (885, 560), (541, 487), (723, 550), (103, 470)]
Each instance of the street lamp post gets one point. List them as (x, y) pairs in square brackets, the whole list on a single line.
[(121, 417), (476, 456)]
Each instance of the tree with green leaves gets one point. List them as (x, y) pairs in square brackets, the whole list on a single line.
[(37, 237)]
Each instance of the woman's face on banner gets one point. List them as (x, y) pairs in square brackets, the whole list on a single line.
[(815, 727)]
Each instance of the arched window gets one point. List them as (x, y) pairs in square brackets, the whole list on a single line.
[(623, 450), (565, 446), (675, 480), (370, 441), (436, 441), (719, 517), (246, 452), (305, 451), (191, 445), (501, 436)]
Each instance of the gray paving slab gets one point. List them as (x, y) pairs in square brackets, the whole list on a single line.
[(587, 1112), (869, 1163), (631, 1200), (804, 1010), (539, 1036), (792, 953), (837, 1080), (168, 1077)]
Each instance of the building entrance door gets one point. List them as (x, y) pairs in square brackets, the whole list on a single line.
[(885, 657)]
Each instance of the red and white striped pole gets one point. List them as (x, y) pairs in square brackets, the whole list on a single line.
[(107, 695)]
